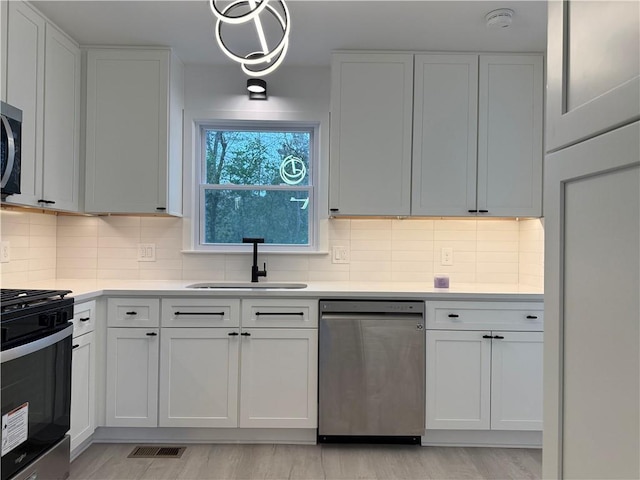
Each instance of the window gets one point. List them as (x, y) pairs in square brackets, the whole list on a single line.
[(257, 181)]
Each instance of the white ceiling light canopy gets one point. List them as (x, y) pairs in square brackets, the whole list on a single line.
[(500, 18), (262, 61)]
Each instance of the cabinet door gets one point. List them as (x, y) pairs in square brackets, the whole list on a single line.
[(516, 381), (199, 380), (127, 121), (371, 114), (592, 327), (61, 121), (132, 377), (445, 123), (593, 66), (82, 389), (25, 90), (458, 380), (510, 135), (279, 378)]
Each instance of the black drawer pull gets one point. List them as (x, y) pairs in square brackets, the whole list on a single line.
[(198, 313), (472, 211), (85, 319), (151, 334), (532, 317), (233, 334), (131, 313), (453, 315), (162, 209), (487, 336), (48, 202), (483, 211), (499, 337), (245, 334), (75, 346), (265, 314), (334, 209)]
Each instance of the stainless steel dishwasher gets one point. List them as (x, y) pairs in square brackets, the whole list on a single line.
[(371, 370)]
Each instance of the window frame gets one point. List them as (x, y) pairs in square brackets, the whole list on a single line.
[(312, 127)]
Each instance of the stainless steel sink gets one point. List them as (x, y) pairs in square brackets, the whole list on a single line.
[(260, 285)]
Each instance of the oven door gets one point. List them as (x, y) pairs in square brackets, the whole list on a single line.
[(36, 398)]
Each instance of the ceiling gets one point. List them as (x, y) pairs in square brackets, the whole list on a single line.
[(317, 27)]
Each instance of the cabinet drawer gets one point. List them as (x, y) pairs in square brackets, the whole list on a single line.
[(84, 317), (133, 312), (200, 312), (485, 315), (280, 313)]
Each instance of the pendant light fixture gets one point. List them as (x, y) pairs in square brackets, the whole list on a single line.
[(261, 61)]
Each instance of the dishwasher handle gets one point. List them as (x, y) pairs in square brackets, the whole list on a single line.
[(339, 317)]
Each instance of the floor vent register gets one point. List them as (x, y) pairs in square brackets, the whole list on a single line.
[(157, 452)]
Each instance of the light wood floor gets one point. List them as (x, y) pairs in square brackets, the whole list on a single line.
[(330, 462)]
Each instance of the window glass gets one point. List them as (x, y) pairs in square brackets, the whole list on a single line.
[(257, 182)]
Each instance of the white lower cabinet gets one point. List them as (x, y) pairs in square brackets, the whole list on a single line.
[(132, 377), (279, 379), (199, 377), (82, 389), (481, 380)]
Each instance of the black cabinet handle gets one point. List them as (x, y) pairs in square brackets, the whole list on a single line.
[(483, 211), (245, 334), (85, 319), (161, 209), (453, 315), (48, 202), (487, 336), (198, 313), (472, 211), (233, 334), (499, 337), (131, 313), (334, 209), (265, 314), (75, 346), (531, 317), (151, 334)]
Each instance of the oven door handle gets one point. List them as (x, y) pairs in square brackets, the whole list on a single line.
[(31, 347)]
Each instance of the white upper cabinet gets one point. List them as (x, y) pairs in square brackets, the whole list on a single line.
[(43, 80), (25, 90), (61, 170), (445, 123), (371, 110), (134, 131), (593, 67), (476, 135), (510, 135)]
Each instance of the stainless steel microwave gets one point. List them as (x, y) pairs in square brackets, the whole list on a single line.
[(11, 126)]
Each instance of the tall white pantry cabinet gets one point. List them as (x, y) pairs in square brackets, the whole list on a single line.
[(592, 242)]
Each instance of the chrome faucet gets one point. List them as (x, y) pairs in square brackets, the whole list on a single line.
[(255, 272)]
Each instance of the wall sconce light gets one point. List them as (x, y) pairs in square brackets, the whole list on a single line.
[(257, 89)]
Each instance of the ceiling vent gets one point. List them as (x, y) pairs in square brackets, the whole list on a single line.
[(500, 18)]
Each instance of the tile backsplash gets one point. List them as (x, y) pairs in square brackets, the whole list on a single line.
[(45, 246)]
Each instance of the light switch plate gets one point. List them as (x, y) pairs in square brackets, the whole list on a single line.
[(146, 252), (5, 252), (340, 255), (446, 256)]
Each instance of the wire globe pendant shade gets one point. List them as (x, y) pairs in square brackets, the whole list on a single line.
[(263, 61)]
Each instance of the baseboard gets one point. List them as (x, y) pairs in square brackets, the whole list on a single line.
[(75, 453), (482, 438), (302, 436)]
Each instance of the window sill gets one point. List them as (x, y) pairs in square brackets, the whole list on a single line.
[(250, 252)]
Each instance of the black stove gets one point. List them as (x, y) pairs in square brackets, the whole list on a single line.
[(26, 315)]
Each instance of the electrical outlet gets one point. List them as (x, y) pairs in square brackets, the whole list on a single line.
[(146, 252), (340, 255), (5, 252), (446, 256)]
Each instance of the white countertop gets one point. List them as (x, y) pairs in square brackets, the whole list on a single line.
[(86, 289)]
